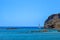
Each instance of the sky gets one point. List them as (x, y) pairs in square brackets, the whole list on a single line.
[(27, 12)]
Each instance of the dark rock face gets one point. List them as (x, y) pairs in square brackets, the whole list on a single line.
[(53, 21)]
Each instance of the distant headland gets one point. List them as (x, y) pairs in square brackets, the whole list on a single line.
[(53, 21)]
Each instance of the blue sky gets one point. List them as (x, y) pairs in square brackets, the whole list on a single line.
[(27, 12)]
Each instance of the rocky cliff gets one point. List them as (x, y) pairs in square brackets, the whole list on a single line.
[(53, 21)]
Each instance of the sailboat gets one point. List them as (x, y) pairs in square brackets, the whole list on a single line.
[(39, 26)]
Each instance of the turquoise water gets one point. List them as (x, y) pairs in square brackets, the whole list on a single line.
[(26, 34)]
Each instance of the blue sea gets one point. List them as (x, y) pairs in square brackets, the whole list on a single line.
[(26, 34)]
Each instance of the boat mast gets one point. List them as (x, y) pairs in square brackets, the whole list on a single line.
[(39, 26)]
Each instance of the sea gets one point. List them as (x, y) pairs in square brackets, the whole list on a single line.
[(27, 33)]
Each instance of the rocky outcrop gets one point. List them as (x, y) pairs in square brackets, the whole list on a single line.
[(11, 28), (53, 21), (44, 30)]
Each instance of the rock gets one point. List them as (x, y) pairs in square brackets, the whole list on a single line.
[(44, 30), (11, 28), (58, 30), (53, 21)]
